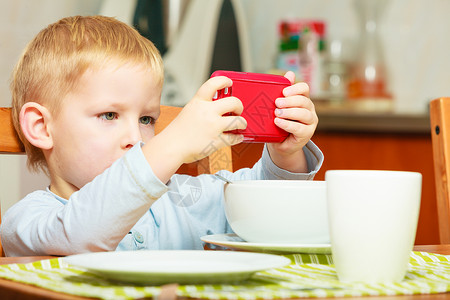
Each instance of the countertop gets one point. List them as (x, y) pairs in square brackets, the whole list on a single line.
[(353, 117)]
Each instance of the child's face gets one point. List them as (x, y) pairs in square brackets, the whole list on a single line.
[(111, 110)]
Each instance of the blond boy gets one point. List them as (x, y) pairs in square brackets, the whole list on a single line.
[(86, 93)]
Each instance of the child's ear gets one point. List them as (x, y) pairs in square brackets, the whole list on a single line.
[(34, 120)]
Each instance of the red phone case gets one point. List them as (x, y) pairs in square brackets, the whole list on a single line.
[(257, 93)]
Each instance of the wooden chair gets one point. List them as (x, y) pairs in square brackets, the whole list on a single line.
[(440, 133), (219, 160)]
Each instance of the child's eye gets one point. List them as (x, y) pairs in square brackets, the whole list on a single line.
[(146, 120), (109, 116)]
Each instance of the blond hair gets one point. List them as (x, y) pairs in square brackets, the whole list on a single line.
[(53, 62)]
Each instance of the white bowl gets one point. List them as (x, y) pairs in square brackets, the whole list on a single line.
[(278, 211)]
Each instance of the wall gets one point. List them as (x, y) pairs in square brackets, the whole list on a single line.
[(414, 36)]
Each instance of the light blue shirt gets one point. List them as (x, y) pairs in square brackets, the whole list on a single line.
[(128, 208)]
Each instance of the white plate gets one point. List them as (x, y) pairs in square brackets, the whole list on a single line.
[(176, 266), (232, 241)]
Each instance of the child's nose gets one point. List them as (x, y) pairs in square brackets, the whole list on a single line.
[(131, 137)]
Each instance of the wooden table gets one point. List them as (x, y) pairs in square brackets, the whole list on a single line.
[(14, 290)]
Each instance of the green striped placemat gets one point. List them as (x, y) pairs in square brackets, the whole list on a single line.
[(308, 275)]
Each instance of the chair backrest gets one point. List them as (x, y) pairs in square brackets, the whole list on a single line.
[(220, 160), (440, 133), (1, 248), (9, 141)]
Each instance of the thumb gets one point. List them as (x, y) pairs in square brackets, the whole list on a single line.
[(291, 76)]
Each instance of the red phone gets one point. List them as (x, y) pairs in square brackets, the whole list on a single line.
[(257, 93)]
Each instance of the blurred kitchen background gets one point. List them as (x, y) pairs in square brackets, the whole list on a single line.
[(373, 65)]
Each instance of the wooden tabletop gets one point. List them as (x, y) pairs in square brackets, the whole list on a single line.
[(15, 290)]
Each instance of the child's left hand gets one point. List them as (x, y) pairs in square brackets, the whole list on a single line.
[(296, 114)]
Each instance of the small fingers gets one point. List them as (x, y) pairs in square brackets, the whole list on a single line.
[(231, 139), (229, 105), (233, 123), (295, 101), (212, 85), (301, 115), (300, 88), (293, 127), (290, 76)]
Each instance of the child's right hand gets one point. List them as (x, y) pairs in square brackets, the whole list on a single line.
[(199, 130), (201, 124)]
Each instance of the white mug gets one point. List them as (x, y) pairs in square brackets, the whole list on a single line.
[(373, 220)]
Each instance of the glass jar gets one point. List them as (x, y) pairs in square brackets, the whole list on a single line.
[(368, 78)]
